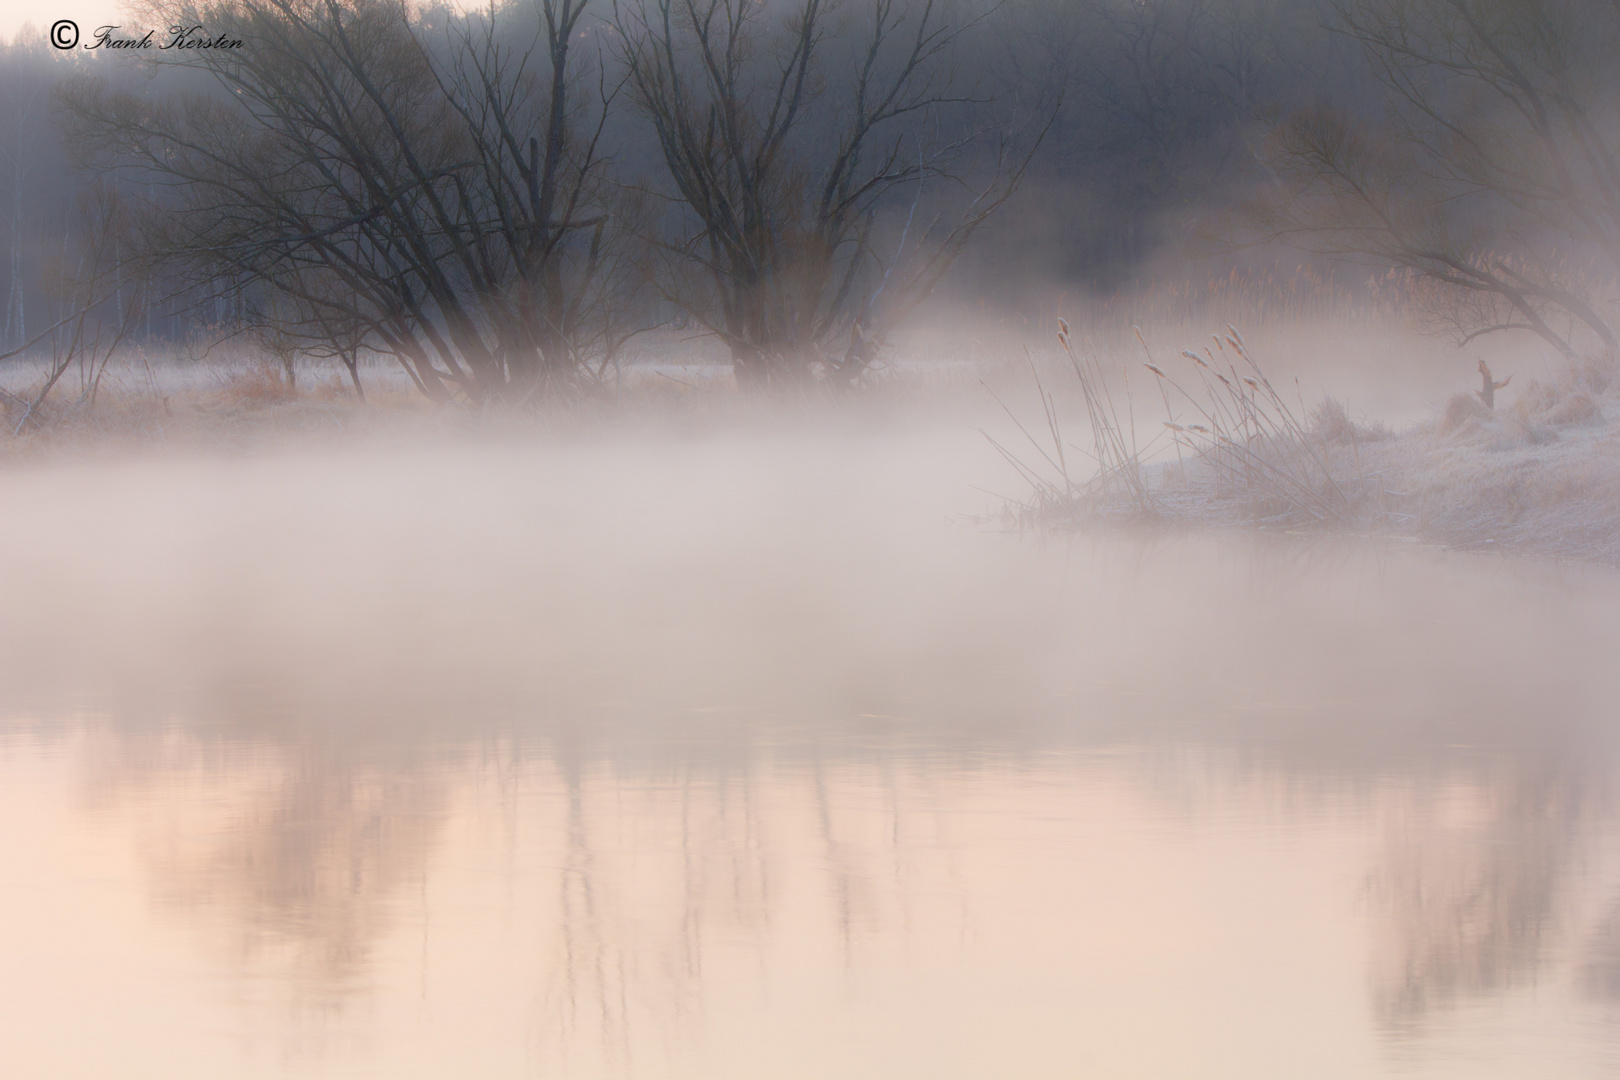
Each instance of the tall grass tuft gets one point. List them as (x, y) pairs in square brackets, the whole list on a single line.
[(1120, 483), (1244, 453)]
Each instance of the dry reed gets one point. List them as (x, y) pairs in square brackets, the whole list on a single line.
[(1243, 452)]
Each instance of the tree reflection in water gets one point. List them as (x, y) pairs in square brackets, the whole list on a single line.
[(1013, 808)]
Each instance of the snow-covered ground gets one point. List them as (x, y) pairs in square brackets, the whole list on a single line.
[(1540, 473)]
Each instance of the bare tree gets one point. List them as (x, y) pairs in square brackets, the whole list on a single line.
[(100, 304), (822, 182), (420, 184), (1495, 171)]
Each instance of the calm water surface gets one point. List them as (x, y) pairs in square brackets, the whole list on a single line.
[(735, 758)]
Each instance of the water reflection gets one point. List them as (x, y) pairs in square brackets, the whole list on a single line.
[(1600, 974), (1472, 895), (695, 911), (986, 807)]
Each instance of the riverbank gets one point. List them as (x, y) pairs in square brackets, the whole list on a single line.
[(241, 404), (1208, 442), (1539, 475), (1535, 472)]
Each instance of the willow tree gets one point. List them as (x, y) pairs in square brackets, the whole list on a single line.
[(369, 175), (825, 163)]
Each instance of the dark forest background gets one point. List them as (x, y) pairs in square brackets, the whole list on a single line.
[(500, 199), (1162, 101)]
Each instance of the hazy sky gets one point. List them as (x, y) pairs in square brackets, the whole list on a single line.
[(89, 14)]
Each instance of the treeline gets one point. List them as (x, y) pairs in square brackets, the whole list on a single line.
[(48, 207), (500, 198), (539, 179)]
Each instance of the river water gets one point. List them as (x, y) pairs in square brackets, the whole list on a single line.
[(742, 757)]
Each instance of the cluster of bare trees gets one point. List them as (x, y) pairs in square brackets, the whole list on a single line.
[(364, 176), (499, 199), (365, 180)]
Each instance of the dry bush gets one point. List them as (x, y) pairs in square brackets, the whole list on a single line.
[(259, 385), (1458, 411), (1568, 399), (1330, 422), (1577, 409)]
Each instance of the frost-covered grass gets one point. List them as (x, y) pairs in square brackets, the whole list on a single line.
[(1538, 473)]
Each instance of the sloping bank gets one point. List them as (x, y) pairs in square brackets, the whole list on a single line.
[(1539, 474), (1537, 470)]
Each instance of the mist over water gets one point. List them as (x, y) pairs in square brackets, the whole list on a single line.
[(499, 576), (748, 755)]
